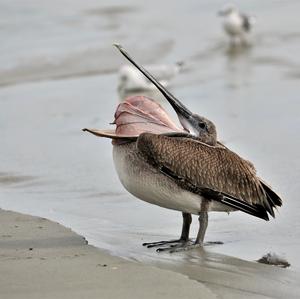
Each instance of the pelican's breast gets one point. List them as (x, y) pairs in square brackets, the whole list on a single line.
[(149, 184)]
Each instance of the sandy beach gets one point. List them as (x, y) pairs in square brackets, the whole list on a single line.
[(42, 259)]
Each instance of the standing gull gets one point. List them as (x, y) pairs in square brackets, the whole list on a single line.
[(184, 169), (236, 24), (131, 79)]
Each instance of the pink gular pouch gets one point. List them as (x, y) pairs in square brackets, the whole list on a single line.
[(136, 115)]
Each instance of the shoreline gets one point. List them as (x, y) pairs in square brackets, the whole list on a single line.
[(43, 259)]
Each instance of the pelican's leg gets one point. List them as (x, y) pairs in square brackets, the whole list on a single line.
[(199, 242), (185, 232), (187, 220), (203, 222)]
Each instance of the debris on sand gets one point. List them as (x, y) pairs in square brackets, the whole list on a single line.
[(272, 258)]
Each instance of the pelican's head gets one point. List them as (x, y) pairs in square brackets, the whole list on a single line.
[(191, 122), (199, 126)]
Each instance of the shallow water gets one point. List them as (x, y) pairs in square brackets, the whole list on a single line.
[(58, 75)]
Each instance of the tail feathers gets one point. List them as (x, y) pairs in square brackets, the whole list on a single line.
[(269, 204), (273, 199)]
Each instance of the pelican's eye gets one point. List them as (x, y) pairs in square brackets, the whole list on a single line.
[(202, 125)]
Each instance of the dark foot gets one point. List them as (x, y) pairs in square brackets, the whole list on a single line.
[(162, 243), (180, 247), (213, 243)]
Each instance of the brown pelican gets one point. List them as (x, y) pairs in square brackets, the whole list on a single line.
[(182, 169)]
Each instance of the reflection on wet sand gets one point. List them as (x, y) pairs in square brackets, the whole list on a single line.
[(244, 279), (11, 179)]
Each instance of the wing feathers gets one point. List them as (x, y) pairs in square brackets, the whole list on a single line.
[(254, 210), (200, 168)]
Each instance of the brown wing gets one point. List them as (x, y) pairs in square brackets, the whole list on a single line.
[(213, 169)]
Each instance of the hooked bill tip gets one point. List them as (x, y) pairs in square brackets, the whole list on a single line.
[(117, 45)]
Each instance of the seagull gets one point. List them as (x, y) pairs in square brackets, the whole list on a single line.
[(182, 168), (237, 25), (132, 80)]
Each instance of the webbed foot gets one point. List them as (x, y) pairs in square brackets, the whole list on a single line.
[(162, 243), (178, 245)]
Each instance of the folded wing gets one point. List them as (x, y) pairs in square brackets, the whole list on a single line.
[(212, 171)]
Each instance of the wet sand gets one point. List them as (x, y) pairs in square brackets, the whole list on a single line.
[(42, 259)]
